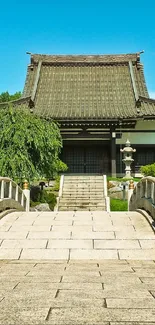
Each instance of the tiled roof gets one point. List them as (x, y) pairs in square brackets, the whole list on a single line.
[(88, 87)]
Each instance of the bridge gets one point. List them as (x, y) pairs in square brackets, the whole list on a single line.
[(78, 267)]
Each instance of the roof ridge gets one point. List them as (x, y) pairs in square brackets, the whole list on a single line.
[(146, 99), (90, 58)]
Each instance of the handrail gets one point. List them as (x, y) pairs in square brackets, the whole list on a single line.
[(11, 195), (143, 196)]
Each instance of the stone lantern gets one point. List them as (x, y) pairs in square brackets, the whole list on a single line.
[(127, 158)]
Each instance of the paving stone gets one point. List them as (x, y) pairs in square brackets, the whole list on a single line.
[(73, 227), (131, 291), (131, 303), (9, 286), (54, 284), (44, 254), (81, 278), (49, 234), (147, 254), (50, 267), (24, 243), (134, 235), (131, 323), (92, 235), (147, 243), (106, 227), (97, 315), (83, 222), (120, 281), (24, 316), (115, 268), (93, 254), (153, 293), (13, 235), (31, 228), (8, 253), (144, 272), (23, 222), (17, 267), (80, 294), (150, 281), (116, 244), (141, 263), (71, 243)]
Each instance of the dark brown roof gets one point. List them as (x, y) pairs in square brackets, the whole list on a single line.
[(79, 87)]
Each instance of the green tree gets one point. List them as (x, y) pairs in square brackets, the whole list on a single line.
[(29, 146), (6, 97)]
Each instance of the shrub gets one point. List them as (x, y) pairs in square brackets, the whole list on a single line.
[(37, 196), (148, 170), (118, 205)]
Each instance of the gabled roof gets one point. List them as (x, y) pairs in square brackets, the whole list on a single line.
[(92, 87)]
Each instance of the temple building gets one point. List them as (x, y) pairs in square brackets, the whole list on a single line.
[(99, 101)]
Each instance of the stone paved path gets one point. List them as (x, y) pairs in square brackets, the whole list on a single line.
[(76, 235), (113, 292), (83, 268)]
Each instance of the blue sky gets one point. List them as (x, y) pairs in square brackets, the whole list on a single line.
[(74, 27)]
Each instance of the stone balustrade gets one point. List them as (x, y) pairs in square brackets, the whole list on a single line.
[(143, 196), (11, 195)]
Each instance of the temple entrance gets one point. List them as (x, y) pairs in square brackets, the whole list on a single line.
[(95, 160)]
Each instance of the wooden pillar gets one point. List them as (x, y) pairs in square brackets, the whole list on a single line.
[(113, 153)]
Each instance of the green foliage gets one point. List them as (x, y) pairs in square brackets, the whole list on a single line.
[(6, 97), (118, 205), (119, 179), (43, 197), (57, 184), (148, 170), (29, 145)]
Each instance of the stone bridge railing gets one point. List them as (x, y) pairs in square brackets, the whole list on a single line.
[(143, 196), (12, 196)]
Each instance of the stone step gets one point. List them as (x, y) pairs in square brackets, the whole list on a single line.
[(82, 204), (76, 187), (95, 201), (72, 196), (83, 191), (80, 181), (83, 177), (87, 208), (84, 188)]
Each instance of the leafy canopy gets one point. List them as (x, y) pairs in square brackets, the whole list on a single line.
[(29, 146), (6, 97), (148, 170)]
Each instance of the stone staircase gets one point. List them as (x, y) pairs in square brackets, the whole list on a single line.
[(83, 193)]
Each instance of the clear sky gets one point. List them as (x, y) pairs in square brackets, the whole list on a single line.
[(74, 27)]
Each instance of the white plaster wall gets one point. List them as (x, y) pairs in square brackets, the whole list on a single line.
[(140, 137)]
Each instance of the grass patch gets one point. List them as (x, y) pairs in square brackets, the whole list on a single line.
[(118, 205), (135, 179)]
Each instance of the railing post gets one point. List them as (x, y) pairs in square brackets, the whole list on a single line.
[(146, 184), (22, 199), (10, 189), (16, 195), (130, 191), (26, 191), (153, 193), (2, 190)]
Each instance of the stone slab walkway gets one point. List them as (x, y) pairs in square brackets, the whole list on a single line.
[(83, 268), (113, 292), (76, 236)]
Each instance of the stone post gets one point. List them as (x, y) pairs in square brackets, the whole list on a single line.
[(130, 191), (26, 192), (113, 153), (127, 153)]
